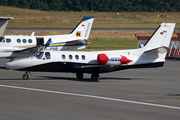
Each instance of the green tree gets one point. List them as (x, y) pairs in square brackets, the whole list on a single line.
[(97, 5)]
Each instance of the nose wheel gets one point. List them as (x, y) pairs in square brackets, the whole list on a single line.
[(25, 76)]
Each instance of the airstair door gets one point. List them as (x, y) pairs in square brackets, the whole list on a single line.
[(39, 41)]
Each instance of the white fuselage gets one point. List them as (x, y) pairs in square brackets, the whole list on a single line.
[(85, 58)]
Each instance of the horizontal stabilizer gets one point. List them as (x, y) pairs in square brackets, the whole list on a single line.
[(78, 42)]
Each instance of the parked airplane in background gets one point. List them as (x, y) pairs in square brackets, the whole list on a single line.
[(151, 55), (15, 46), (3, 23)]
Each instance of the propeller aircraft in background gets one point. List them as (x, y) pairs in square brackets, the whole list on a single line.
[(18, 46)]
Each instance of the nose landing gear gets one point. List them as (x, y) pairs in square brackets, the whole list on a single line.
[(26, 76)]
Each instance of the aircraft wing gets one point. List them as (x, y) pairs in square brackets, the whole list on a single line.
[(34, 49), (91, 66), (29, 50)]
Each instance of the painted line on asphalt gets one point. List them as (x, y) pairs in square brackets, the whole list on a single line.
[(91, 96)]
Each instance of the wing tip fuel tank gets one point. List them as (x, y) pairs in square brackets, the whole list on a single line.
[(102, 59), (125, 60)]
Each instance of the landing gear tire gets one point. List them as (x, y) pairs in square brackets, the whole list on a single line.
[(25, 76), (79, 75), (94, 77)]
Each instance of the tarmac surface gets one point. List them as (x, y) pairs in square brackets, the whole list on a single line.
[(133, 94)]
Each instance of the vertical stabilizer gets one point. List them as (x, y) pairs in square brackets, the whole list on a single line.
[(156, 47), (3, 24), (161, 37), (82, 30)]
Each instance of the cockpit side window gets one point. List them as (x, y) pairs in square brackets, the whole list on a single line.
[(2, 39), (39, 55), (48, 55)]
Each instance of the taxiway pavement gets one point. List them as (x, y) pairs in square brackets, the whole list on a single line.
[(138, 94)]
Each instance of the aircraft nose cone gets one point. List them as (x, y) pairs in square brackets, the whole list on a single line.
[(11, 65), (8, 65)]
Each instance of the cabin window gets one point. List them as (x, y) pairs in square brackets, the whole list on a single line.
[(83, 57), (63, 56), (30, 40), (18, 40), (8, 40), (1, 39), (48, 55), (24, 40), (70, 57), (77, 57)]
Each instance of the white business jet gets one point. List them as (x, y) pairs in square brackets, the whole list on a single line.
[(151, 55), (17, 46)]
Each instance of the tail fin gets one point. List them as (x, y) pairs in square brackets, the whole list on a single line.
[(3, 24), (82, 30), (156, 47), (161, 37)]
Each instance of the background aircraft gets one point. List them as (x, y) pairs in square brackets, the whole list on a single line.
[(3, 23), (151, 55), (15, 46)]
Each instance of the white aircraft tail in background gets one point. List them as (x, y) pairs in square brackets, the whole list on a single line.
[(3, 23), (82, 30)]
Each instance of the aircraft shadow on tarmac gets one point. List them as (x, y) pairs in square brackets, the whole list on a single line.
[(173, 95), (85, 79), (69, 78), (3, 68), (65, 78)]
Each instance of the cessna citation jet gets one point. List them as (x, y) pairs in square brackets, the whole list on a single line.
[(17, 46), (151, 55)]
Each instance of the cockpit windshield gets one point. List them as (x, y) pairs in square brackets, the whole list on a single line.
[(2, 39), (38, 55)]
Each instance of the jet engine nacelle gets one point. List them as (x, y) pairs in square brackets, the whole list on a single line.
[(104, 59)]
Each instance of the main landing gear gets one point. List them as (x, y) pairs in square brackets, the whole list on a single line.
[(79, 75), (25, 76), (94, 76)]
